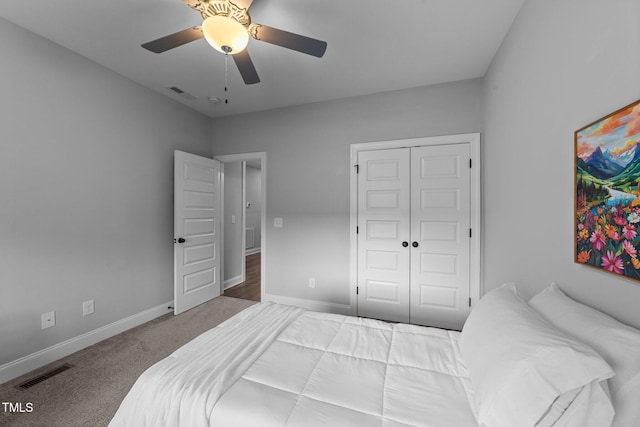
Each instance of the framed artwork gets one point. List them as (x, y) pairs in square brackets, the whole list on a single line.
[(607, 193)]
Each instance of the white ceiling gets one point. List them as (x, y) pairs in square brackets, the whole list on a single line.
[(373, 46)]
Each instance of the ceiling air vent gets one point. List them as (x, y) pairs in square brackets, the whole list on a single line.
[(185, 95)]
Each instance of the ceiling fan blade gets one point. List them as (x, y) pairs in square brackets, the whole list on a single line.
[(246, 68), (174, 40), (242, 4), (289, 40)]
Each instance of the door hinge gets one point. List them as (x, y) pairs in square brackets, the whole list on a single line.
[(470, 160), (469, 302), (357, 290), (357, 230), (470, 234), (357, 168)]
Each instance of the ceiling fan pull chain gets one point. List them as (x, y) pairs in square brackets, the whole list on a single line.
[(226, 77)]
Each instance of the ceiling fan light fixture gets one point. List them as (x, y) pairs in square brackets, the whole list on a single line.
[(222, 33)]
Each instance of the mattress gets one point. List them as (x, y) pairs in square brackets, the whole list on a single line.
[(275, 365)]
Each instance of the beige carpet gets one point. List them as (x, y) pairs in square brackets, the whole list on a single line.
[(89, 394)]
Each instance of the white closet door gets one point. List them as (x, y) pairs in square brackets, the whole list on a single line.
[(440, 223), (383, 211)]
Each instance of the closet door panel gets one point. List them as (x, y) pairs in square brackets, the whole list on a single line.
[(440, 221), (383, 211)]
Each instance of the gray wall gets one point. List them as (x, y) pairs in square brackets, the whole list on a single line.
[(563, 65), (86, 190), (307, 149), (232, 232)]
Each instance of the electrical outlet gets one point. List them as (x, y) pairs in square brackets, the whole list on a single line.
[(48, 320), (87, 308), (312, 282)]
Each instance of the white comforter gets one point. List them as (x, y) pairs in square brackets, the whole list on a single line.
[(275, 365)]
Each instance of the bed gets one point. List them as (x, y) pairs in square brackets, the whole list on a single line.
[(514, 364)]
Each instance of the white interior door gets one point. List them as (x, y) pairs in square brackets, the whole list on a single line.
[(383, 234), (196, 230), (440, 224)]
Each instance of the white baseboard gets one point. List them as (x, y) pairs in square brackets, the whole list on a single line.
[(28, 363), (230, 283), (326, 307)]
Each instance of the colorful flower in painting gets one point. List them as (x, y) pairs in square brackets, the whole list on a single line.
[(629, 232), (612, 232), (584, 234), (619, 219), (636, 263), (597, 239), (583, 257), (628, 247), (633, 218), (611, 262)]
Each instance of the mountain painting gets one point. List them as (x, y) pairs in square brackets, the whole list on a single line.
[(607, 193)]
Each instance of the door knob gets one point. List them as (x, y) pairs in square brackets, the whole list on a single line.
[(414, 244), (405, 244), (181, 240)]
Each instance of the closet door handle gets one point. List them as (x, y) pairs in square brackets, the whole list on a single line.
[(414, 244), (181, 240), (405, 244)]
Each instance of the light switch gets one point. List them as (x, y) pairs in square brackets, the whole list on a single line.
[(233, 219), (277, 222)]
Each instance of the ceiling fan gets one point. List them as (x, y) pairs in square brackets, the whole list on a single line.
[(227, 26)]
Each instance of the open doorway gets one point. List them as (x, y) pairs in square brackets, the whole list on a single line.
[(243, 254)]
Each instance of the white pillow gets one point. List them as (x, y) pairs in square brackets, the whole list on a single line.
[(617, 343), (518, 363)]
